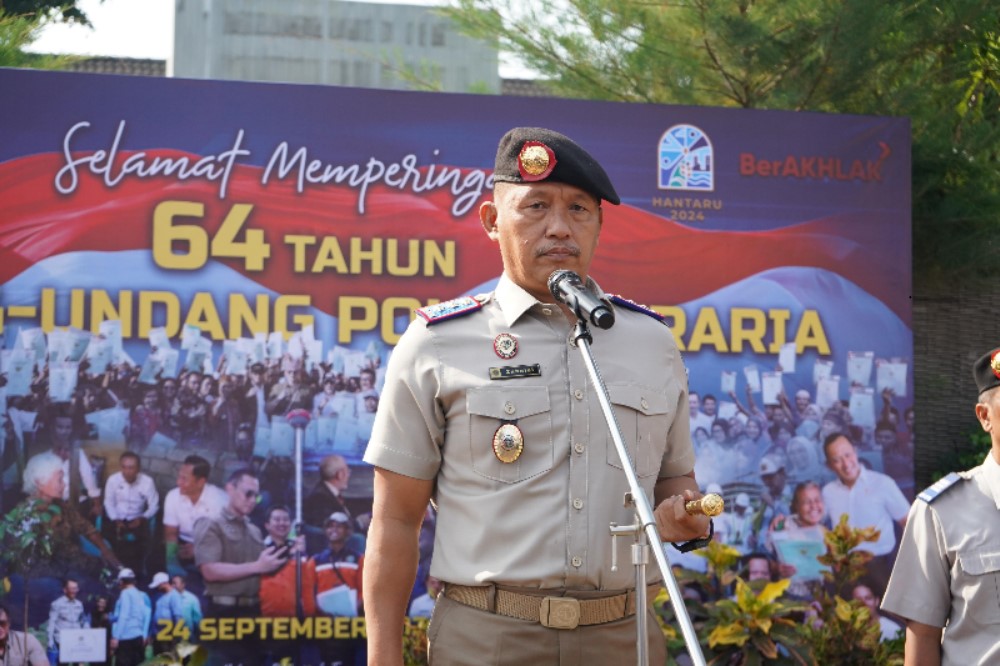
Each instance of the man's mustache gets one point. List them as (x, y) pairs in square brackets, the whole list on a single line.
[(572, 250)]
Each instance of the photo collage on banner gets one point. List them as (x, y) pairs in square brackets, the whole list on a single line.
[(184, 263)]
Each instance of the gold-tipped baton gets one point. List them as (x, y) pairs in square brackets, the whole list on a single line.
[(710, 505)]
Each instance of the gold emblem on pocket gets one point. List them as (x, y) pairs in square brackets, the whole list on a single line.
[(508, 442)]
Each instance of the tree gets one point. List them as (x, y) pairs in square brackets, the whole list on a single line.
[(938, 63), (17, 32), (66, 10)]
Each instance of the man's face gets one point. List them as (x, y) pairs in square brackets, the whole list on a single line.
[(367, 381), (542, 227), (708, 406), (178, 583), (243, 495), (341, 478), (4, 626), (775, 482), (337, 532), (62, 429), (192, 382), (71, 590), (843, 460), (279, 525), (130, 469), (801, 401), (758, 569), (187, 482), (694, 403)]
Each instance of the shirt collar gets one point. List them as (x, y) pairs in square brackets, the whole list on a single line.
[(515, 301), (991, 474)]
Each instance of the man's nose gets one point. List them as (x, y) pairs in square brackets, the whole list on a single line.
[(558, 223)]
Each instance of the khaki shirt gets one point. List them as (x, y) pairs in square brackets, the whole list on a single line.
[(233, 539), (948, 568), (541, 521)]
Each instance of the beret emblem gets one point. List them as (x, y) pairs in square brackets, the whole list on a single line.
[(995, 364), (535, 161)]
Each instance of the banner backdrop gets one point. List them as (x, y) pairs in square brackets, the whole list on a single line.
[(182, 262)]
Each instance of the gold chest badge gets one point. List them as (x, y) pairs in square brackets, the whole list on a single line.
[(508, 442)]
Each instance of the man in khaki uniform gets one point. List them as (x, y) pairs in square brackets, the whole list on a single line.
[(489, 411), (946, 580)]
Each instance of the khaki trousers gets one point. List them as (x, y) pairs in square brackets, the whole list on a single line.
[(463, 636)]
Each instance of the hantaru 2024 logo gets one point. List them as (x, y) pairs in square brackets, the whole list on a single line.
[(686, 160)]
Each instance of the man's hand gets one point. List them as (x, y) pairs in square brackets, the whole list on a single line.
[(675, 524), (270, 560)]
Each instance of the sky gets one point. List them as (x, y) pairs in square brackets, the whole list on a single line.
[(122, 28)]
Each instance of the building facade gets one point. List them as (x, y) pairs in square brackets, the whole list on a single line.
[(329, 42)]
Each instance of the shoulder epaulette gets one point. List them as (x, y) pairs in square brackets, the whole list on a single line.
[(940, 486), (457, 307), (636, 307)]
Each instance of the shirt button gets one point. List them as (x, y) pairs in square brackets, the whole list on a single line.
[(547, 311), (509, 407), (579, 448), (578, 503), (645, 405), (577, 562), (578, 394)]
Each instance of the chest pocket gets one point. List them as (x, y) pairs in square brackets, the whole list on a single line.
[(644, 418), (526, 407), (981, 583)]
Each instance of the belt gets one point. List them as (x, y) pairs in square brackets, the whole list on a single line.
[(555, 612), (242, 602)]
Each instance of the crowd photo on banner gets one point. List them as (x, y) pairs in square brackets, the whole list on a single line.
[(174, 286)]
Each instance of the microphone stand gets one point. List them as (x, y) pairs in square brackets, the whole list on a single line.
[(298, 419), (643, 527)]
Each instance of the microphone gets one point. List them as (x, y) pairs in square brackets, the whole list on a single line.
[(567, 288), (709, 505), (298, 418)]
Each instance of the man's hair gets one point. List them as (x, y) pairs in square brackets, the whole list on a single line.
[(830, 439), (67, 581), (40, 468), (330, 465), (200, 467), (709, 396), (276, 507), (238, 475), (130, 454)]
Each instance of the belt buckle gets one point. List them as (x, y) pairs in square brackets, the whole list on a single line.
[(559, 612)]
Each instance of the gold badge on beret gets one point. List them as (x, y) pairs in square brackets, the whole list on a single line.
[(535, 161), (508, 442), (995, 363), (505, 345)]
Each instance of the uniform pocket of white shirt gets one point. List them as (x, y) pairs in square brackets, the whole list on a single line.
[(643, 414), (980, 580), (525, 407)]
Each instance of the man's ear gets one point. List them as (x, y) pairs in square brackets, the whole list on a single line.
[(983, 414), (488, 217)]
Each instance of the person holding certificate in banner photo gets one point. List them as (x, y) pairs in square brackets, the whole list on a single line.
[(488, 411)]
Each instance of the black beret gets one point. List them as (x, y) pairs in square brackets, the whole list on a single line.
[(986, 370), (533, 154)]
